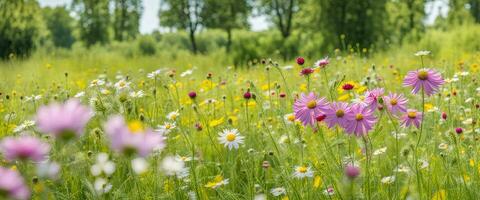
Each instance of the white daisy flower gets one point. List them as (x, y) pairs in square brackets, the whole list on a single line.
[(97, 82), (402, 168), (79, 94), (48, 170), (154, 74), (166, 128), (388, 179), (380, 151), (174, 167), (137, 94), (289, 118), (139, 165), (102, 186), (23, 126), (173, 115), (186, 73), (122, 85), (278, 191), (102, 166), (105, 91), (443, 146), (302, 172), (422, 53), (231, 138)]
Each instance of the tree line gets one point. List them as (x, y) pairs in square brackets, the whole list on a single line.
[(313, 25)]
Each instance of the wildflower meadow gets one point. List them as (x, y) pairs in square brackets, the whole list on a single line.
[(303, 130), (239, 99)]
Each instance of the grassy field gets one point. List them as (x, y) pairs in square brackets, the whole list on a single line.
[(279, 158)]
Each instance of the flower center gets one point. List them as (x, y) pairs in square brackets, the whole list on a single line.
[(359, 117), (312, 104), (393, 102), (291, 118), (423, 75), (231, 137), (340, 113), (135, 127), (302, 169), (412, 115)]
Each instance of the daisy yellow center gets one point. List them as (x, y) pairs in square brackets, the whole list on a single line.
[(168, 126), (412, 115), (231, 137), (393, 102), (359, 117), (312, 104), (291, 118), (423, 75), (340, 113), (302, 169), (135, 127)]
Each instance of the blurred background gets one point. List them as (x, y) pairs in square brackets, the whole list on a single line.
[(236, 31)]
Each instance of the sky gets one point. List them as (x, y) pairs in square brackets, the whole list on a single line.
[(149, 21)]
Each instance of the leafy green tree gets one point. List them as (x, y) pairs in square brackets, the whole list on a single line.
[(60, 26), (406, 19), (126, 18), (458, 13), (226, 15), (20, 27), (281, 13), (94, 20), (474, 7), (183, 14)]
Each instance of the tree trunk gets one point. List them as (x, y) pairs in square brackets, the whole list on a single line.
[(194, 43), (229, 39)]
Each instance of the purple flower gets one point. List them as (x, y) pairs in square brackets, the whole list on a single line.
[(372, 96), (307, 108), (411, 117), (63, 120), (396, 103), (12, 185), (428, 79), (335, 114), (132, 138), (360, 120), (352, 171), (23, 148)]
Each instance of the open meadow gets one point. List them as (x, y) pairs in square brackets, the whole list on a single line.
[(149, 118)]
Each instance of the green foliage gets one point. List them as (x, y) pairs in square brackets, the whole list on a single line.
[(20, 27), (183, 14), (60, 26), (94, 20), (146, 45), (126, 18), (226, 15)]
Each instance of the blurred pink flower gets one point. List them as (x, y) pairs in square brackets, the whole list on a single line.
[(63, 120), (23, 148), (132, 140), (12, 185)]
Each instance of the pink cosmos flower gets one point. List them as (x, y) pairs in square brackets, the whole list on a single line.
[(132, 139), (360, 120), (372, 97), (396, 103), (307, 108), (412, 117), (23, 148), (428, 79), (12, 185), (335, 114), (63, 120)]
